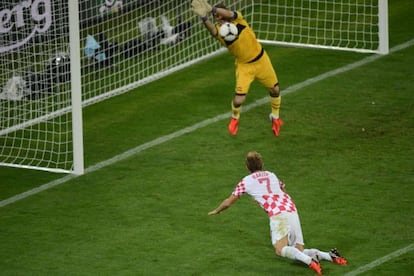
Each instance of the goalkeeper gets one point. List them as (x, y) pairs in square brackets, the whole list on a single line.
[(251, 60)]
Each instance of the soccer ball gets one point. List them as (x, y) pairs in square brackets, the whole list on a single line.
[(229, 32)]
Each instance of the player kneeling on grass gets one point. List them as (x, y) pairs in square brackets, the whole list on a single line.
[(252, 61), (286, 232)]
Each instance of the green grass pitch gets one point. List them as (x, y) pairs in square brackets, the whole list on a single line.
[(345, 153)]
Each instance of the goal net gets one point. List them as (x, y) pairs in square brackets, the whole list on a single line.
[(35, 85), (123, 44), (351, 25)]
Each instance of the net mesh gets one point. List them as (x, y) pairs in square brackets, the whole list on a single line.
[(340, 24), (35, 78)]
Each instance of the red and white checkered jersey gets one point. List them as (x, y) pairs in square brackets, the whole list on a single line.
[(264, 187)]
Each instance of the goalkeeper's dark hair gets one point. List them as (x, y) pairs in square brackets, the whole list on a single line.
[(254, 161)]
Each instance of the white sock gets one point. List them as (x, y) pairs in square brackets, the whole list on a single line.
[(315, 252), (295, 254)]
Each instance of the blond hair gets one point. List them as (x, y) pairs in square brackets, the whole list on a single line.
[(254, 161)]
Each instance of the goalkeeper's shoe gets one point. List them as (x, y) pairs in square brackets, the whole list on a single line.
[(337, 258), (316, 266), (276, 124), (233, 126)]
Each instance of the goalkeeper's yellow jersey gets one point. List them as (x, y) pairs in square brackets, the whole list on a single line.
[(246, 47)]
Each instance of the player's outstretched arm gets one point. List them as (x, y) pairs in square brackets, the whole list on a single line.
[(224, 205), (210, 27), (224, 13), (202, 9)]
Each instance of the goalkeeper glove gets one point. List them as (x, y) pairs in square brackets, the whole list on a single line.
[(199, 8), (206, 5)]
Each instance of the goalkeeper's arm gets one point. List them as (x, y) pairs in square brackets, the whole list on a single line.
[(224, 13), (202, 8), (210, 27), (220, 14)]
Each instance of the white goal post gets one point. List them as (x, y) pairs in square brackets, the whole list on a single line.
[(41, 117), (58, 56)]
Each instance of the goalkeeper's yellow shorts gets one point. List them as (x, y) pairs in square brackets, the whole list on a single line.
[(261, 70)]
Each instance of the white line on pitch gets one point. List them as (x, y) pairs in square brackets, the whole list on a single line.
[(199, 125), (382, 260)]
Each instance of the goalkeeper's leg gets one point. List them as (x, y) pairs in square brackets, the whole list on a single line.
[(267, 76), (236, 105), (275, 100), (243, 80)]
